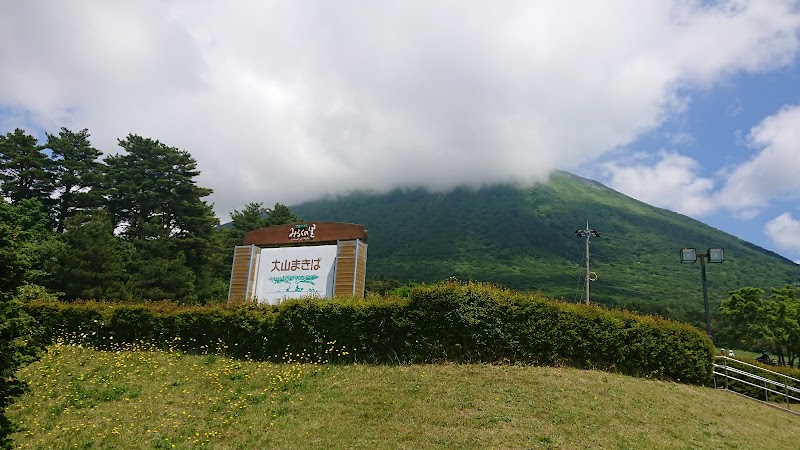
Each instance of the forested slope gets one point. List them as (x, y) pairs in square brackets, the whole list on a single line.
[(524, 238)]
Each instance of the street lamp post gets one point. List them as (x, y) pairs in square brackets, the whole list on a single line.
[(714, 255), (587, 233)]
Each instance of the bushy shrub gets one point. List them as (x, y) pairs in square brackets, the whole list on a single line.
[(477, 322), (451, 321), (19, 345)]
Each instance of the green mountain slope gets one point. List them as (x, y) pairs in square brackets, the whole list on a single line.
[(524, 238)]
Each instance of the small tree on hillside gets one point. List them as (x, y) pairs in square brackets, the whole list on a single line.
[(252, 217), (280, 215), (752, 320)]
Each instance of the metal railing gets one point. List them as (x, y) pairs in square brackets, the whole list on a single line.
[(734, 370)]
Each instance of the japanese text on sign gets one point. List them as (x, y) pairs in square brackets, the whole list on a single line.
[(296, 264), (302, 232)]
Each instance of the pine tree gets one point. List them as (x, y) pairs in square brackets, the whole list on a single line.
[(37, 244), (159, 271), (252, 217), (152, 192), (25, 171), (77, 174), (90, 266), (153, 197), (281, 214)]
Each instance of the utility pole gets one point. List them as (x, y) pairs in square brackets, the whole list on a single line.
[(587, 233)]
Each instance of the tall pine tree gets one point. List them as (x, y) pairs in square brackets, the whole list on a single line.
[(154, 199), (77, 174), (25, 171), (151, 191)]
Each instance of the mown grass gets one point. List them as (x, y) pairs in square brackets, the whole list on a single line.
[(138, 399)]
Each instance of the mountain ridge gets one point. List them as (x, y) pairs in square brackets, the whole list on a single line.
[(523, 237)]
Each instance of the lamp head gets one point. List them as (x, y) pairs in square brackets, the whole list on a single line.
[(716, 255), (688, 255)]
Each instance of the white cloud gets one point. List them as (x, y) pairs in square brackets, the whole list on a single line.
[(285, 101), (672, 183), (784, 231), (773, 171), (749, 188)]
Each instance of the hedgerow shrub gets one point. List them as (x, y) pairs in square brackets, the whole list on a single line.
[(451, 321), (18, 346), (476, 322)]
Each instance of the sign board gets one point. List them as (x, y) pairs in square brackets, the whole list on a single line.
[(299, 259), (306, 233), (293, 272)]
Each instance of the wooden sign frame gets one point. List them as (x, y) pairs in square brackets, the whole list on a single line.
[(351, 255)]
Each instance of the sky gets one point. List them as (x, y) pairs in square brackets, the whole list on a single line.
[(692, 106)]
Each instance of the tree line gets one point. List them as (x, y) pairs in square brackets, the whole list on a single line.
[(132, 225)]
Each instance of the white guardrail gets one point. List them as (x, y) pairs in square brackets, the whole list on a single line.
[(734, 370)]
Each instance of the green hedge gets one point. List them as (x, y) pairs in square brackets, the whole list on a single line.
[(452, 321)]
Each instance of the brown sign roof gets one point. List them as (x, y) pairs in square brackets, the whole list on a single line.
[(306, 233)]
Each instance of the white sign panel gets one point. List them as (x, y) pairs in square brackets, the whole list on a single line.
[(293, 272)]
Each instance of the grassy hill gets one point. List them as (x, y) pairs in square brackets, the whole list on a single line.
[(523, 238), (88, 399)]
